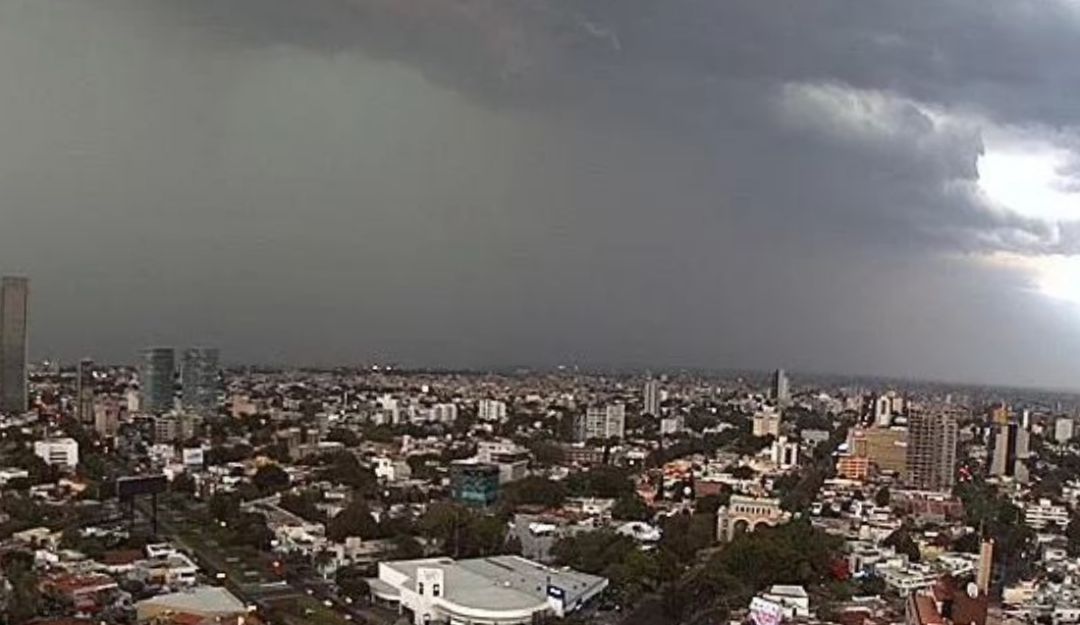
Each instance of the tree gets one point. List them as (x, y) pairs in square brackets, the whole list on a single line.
[(1072, 535), (183, 483), (351, 580), (463, 533), (742, 472), (303, 504), (407, 547), (24, 602), (224, 506), (345, 436), (533, 491), (249, 528), (882, 497), (631, 508), (686, 535), (602, 481), (271, 478), (968, 543), (709, 504), (354, 520), (903, 543), (345, 469), (546, 453), (592, 552)]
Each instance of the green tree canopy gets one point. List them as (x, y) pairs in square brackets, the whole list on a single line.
[(533, 490), (354, 520), (271, 478)]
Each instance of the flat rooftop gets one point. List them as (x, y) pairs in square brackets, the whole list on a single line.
[(503, 582)]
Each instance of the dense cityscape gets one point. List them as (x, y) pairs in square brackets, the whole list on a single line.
[(175, 489)]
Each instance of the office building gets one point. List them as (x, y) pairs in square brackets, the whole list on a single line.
[(885, 448), (474, 483), (883, 411), (766, 423), (444, 413), (491, 410), (1011, 452), (58, 452), (507, 590), (651, 400), (600, 422), (107, 418), (199, 379), (157, 379), (173, 428), (670, 426), (1064, 429), (84, 391), (14, 320), (931, 451), (780, 391)]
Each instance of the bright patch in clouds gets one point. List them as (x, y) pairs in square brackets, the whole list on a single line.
[(1024, 175), (1026, 179), (1054, 276)]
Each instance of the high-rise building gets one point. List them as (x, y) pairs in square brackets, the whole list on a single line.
[(931, 451), (766, 423), (84, 392), (1011, 451), (600, 422), (651, 401), (157, 378), (491, 410), (883, 411), (14, 319), (780, 391), (107, 417), (1064, 429), (885, 448), (199, 377)]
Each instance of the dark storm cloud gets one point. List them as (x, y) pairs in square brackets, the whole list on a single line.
[(707, 72), (735, 183)]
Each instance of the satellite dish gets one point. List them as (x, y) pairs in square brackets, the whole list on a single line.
[(973, 590)]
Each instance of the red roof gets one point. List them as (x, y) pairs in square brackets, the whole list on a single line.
[(126, 556), (926, 611)]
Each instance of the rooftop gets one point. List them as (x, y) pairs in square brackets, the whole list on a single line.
[(502, 582)]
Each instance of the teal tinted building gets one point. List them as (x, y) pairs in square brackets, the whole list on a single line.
[(474, 484)]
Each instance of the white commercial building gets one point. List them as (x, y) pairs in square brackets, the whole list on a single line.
[(672, 425), (58, 452), (500, 590), (491, 410), (600, 422), (1045, 513), (1064, 429), (444, 413)]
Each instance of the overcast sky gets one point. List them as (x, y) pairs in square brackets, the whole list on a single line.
[(873, 187)]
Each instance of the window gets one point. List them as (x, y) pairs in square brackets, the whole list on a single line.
[(420, 587), (435, 590)]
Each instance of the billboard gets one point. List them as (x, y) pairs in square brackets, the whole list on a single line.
[(134, 486), (763, 612), (193, 457)]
